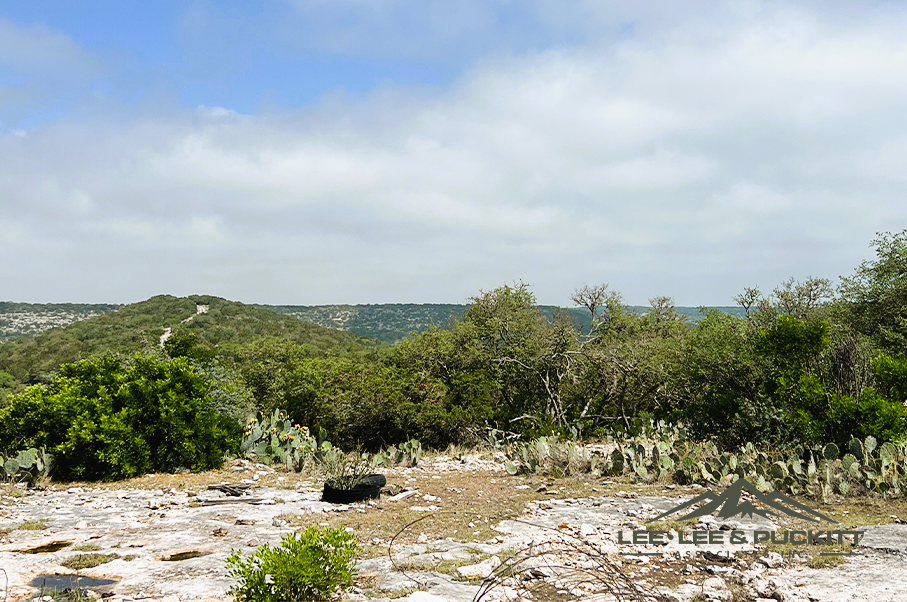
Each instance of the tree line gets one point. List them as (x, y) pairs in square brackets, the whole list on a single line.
[(806, 363)]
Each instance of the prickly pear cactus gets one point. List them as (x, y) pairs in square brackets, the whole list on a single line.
[(276, 440)]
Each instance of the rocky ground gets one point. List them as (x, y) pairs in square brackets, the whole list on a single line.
[(165, 538)]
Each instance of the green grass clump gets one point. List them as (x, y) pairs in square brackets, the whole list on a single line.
[(87, 561), (87, 547), (823, 562), (34, 525)]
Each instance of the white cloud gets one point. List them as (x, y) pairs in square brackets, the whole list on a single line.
[(681, 162), (37, 48)]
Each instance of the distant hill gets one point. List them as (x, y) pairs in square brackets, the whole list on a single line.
[(218, 323), (22, 319), (388, 322), (392, 322)]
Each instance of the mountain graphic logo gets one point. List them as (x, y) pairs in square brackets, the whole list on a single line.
[(728, 504)]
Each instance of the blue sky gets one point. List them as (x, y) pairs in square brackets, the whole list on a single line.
[(256, 56), (367, 151)]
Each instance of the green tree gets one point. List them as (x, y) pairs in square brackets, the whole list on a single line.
[(875, 296), (627, 362), (719, 387)]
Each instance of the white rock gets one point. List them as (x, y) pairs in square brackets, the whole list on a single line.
[(480, 570), (403, 495), (587, 530), (714, 583)]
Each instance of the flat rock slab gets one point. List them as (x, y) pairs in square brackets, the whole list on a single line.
[(873, 577), (153, 525), (885, 538)]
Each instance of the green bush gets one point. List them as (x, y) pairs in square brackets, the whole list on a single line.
[(312, 565), (109, 419), (869, 415), (891, 377)]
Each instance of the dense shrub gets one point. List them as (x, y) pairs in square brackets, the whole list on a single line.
[(891, 377), (111, 419), (309, 566), (869, 415)]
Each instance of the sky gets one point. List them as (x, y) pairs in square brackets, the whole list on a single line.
[(421, 151)]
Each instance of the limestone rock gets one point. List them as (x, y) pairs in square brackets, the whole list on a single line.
[(480, 570)]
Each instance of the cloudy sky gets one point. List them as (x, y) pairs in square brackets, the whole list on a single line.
[(372, 151)]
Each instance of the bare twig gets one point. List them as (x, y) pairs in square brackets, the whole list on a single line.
[(568, 561)]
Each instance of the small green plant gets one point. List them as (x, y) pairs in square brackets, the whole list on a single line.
[(309, 566)]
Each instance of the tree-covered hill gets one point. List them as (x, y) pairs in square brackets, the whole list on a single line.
[(140, 326), (385, 322), (393, 322)]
